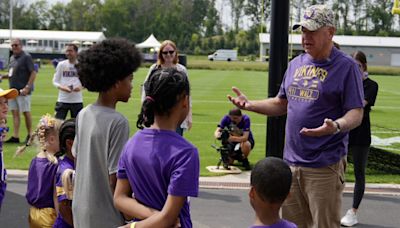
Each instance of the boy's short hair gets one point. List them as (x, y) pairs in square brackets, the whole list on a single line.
[(104, 64), (271, 178), (235, 112)]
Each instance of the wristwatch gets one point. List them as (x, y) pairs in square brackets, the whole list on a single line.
[(337, 127), (27, 86)]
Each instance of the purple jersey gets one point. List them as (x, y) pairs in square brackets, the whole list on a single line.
[(41, 183), (65, 163), (243, 125), (316, 90), (281, 224), (3, 174), (159, 163)]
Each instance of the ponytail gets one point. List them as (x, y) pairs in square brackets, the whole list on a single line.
[(164, 89), (67, 180)]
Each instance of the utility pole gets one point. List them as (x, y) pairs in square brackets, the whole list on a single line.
[(278, 60), (11, 19)]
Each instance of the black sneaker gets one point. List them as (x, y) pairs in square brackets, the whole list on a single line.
[(12, 140), (246, 164)]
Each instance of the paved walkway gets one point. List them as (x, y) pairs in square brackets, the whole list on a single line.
[(242, 181)]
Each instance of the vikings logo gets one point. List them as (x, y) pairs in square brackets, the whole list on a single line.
[(309, 14)]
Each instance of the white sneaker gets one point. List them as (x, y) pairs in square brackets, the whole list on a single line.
[(350, 219)]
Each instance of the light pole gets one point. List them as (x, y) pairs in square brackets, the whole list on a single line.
[(11, 19), (278, 60)]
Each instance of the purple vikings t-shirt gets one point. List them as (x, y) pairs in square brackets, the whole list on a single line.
[(2, 174), (158, 163), (41, 183), (316, 90), (281, 224), (65, 163)]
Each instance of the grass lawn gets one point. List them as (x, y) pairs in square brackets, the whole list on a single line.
[(209, 90)]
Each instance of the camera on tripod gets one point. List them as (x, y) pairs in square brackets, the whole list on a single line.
[(228, 151)]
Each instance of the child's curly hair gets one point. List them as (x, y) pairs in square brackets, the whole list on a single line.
[(106, 63), (47, 125)]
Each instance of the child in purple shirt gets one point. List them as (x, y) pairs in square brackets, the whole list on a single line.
[(158, 166), (42, 171), (4, 96), (64, 173), (270, 185)]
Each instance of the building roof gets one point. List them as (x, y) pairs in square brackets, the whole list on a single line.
[(342, 40), (52, 35)]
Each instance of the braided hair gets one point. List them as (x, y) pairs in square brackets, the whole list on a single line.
[(67, 180), (67, 131), (164, 89), (47, 125)]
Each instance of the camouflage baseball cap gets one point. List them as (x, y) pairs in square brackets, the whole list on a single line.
[(315, 17)]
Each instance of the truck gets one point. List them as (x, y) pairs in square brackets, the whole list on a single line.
[(224, 55)]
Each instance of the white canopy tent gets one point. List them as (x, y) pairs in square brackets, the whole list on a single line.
[(150, 42)]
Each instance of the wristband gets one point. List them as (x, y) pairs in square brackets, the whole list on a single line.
[(337, 127), (133, 225)]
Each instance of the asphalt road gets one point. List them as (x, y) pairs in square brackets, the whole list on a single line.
[(220, 208)]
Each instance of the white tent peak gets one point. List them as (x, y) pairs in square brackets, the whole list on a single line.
[(150, 42)]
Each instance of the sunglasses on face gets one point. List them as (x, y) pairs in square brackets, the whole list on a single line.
[(14, 45), (166, 52)]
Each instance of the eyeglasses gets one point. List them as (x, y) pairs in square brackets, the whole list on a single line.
[(166, 52), (14, 45)]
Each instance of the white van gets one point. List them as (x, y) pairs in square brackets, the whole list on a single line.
[(224, 55)]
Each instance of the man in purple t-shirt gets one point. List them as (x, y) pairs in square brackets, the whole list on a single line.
[(240, 134), (322, 96)]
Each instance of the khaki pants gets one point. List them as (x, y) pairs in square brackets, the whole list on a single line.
[(315, 197)]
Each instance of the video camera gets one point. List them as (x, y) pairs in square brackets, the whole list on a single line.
[(227, 149)]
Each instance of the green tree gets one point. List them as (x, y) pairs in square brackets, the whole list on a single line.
[(59, 17), (236, 11), (381, 17), (36, 15), (341, 9), (212, 22), (85, 15), (258, 14)]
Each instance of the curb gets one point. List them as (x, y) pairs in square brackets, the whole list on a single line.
[(242, 182)]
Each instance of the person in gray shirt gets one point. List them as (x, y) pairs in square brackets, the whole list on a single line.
[(21, 76), (101, 132)]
